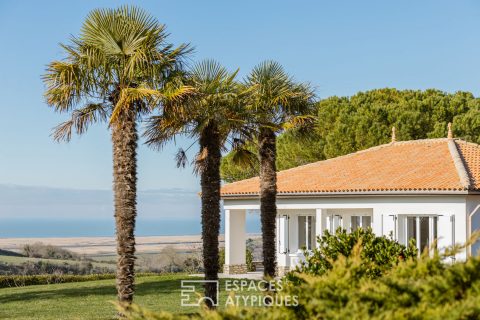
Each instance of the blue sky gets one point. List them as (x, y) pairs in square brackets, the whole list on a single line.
[(341, 47)]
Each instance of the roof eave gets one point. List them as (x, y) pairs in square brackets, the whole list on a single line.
[(356, 193)]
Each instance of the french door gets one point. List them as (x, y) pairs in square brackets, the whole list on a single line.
[(422, 229), (306, 232)]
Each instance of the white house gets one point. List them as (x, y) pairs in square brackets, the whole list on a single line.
[(422, 189)]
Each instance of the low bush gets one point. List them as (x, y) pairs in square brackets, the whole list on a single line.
[(422, 288), (82, 267), (378, 253), (29, 280), (170, 260), (47, 251), (249, 260)]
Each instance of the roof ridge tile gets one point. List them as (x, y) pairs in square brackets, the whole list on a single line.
[(459, 164)]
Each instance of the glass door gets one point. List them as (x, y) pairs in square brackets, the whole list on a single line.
[(306, 232), (422, 229)]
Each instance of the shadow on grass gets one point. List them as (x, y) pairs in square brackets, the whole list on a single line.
[(160, 287)]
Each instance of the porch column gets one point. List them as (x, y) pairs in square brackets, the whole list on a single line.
[(283, 242), (235, 246), (319, 224)]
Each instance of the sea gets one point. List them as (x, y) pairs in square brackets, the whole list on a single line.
[(48, 228)]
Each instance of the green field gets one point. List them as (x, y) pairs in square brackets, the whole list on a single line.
[(90, 300)]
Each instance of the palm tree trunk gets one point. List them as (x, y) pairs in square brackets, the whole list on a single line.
[(268, 198), (124, 139), (210, 183)]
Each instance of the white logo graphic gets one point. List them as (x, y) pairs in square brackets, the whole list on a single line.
[(240, 292), (192, 293)]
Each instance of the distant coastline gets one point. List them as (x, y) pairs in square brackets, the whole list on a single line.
[(67, 228), (106, 245)]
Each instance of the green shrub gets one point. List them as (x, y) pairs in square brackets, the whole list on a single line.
[(48, 251), (29, 280), (249, 260), (221, 259), (32, 267), (378, 253), (424, 288)]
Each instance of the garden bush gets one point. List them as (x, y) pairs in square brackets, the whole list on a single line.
[(378, 253), (421, 288), (47, 251), (29, 280), (80, 267)]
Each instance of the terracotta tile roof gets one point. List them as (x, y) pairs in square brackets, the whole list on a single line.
[(470, 153), (419, 165)]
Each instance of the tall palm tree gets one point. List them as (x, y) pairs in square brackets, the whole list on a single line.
[(114, 72), (276, 101), (211, 116)]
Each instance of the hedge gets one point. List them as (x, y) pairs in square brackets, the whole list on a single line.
[(29, 280)]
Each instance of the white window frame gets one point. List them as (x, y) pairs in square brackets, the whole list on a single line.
[(307, 228), (331, 222), (431, 239), (361, 221), (452, 222)]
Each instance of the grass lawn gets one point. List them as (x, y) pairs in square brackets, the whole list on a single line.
[(90, 300)]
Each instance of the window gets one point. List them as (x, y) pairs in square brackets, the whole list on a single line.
[(334, 221), (360, 222), (422, 229), (306, 232)]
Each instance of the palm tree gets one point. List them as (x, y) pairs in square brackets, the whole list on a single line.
[(211, 116), (114, 72), (276, 101)]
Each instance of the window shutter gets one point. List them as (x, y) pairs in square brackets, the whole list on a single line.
[(283, 234), (390, 226), (444, 232), (337, 222)]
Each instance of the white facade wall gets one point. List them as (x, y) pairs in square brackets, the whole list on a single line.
[(235, 245), (457, 216), (473, 222)]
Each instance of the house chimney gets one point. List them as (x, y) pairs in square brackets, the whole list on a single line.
[(394, 138), (450, 134)]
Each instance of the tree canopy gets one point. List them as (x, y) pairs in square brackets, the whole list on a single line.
[(348, 124)]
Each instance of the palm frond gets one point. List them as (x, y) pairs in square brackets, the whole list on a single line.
[(301, 121), (80, 121), (181, 158), (128, 96), (120, 50), (160, 129), (200, 161), (273, 96), (65, 85), (244, 157), (206, 95)]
